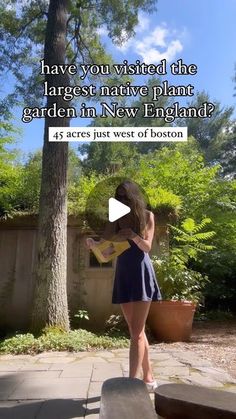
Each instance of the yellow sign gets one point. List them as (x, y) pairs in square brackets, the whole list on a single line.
[(108, 250)]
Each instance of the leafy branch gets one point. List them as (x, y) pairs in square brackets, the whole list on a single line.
[(191, 239)]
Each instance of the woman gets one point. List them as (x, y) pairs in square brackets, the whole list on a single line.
[(135, 285)]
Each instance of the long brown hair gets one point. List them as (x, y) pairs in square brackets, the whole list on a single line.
[(130, 194)]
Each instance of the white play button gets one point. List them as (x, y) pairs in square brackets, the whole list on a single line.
[(117, 209)]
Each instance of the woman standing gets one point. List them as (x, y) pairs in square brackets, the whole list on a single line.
[(135, 285)]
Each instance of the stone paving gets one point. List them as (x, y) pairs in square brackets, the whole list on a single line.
[(62, 385)]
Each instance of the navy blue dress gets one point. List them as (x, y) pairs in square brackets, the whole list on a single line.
[(135, 278)]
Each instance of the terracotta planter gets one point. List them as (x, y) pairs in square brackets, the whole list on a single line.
[(171, 321)]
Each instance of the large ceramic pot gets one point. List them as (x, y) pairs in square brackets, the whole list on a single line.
[(171, 321)]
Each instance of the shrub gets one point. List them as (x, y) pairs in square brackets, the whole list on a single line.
[(53, 339)]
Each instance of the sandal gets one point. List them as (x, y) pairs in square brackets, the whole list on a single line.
[(151, 386)]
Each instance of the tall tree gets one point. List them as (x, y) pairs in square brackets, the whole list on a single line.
[(223, 150), (71, 36), (107, 157), (50, 301), (207, 130), (215, 135)]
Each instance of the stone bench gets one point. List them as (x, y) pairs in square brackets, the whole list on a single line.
[(128, 398), (186, 401), (125, 398)]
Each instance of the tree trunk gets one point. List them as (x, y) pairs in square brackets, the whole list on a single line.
[(50, 305)]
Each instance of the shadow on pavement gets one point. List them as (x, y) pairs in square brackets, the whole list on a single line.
[(39, 408), (48, 409)]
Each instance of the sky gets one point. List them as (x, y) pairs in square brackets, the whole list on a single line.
[(201, 32)]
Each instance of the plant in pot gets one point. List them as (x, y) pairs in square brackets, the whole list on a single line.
[(181, 287)]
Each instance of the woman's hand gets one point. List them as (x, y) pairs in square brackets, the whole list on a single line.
[(90, 243)]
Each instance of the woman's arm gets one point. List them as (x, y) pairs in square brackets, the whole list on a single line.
[(108, 234), (145, 243)]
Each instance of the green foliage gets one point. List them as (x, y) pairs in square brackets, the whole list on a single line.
[(107, 157), (216, 136), (180, 170), (19, 344), (57, 340), (74, 167), (177, 282), (207, 130), (27, 196), (116, 325), (163, 201), (175, 278), (82, 314), (10, 169), (220, 263), (128, 150), (23, 26), (176, 179), (191, 239), (52, 329), (121, 17), (20, 181), (223, 151), (78, 193)]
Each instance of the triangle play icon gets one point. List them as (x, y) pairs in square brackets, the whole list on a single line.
[(117, 209)]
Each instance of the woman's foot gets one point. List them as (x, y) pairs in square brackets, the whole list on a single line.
[(151, 386)]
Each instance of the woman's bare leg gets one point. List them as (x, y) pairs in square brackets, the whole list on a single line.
[(146, 365), (135, 314)]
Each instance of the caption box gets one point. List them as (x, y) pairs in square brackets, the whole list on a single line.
[(122, 134)]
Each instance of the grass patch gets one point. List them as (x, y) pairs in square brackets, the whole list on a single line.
[(56, 340)]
